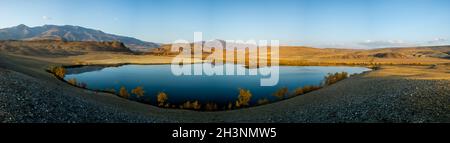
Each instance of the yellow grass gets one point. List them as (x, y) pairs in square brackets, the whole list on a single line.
[(414, 72)]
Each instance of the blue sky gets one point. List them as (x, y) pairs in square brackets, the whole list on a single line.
[(320, 23)]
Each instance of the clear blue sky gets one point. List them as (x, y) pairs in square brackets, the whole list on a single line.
[(326, 23)]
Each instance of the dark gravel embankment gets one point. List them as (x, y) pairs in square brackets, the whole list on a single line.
[(25, 99)]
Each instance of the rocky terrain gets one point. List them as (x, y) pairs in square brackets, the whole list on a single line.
[(25, 99), (70, 33)]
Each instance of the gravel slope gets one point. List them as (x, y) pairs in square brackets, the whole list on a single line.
[(361, 99), (24, 99)]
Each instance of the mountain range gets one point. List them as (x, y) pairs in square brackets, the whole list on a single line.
[(70, 33)]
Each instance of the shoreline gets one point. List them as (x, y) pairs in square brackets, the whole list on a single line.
[(218, 110), (362, 98)]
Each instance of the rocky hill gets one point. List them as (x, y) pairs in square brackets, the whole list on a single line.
[(70, 33), (51, 48)]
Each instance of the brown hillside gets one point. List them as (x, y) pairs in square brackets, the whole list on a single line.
[(58, 47)]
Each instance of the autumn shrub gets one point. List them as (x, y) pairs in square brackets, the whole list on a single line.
[(281, 93), (139, 91), (162, 98), (333, 78), (59, 71), (124, 92), (243, 98)]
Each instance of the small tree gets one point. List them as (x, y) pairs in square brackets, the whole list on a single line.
[(243, 98), (124, 92), (162, 98), (139, 91)]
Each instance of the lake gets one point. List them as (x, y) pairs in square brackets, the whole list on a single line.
[(219, 89)]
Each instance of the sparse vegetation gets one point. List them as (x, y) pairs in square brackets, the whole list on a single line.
[(433, 66), (211, 106), (162, 98), (230, 106), (124, 92), (333, 78), (191, 105), (281, 93), (375, 66), (243, 98), (111, 90), (263, 101), (139, 91), (305, 89), (72, 81)]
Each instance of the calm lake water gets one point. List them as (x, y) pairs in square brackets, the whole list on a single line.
[(219, 89)]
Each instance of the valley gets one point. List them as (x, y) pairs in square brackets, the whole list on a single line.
[(418, 88)]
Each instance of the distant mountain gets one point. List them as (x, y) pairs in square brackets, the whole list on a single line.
[(70, 33)]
